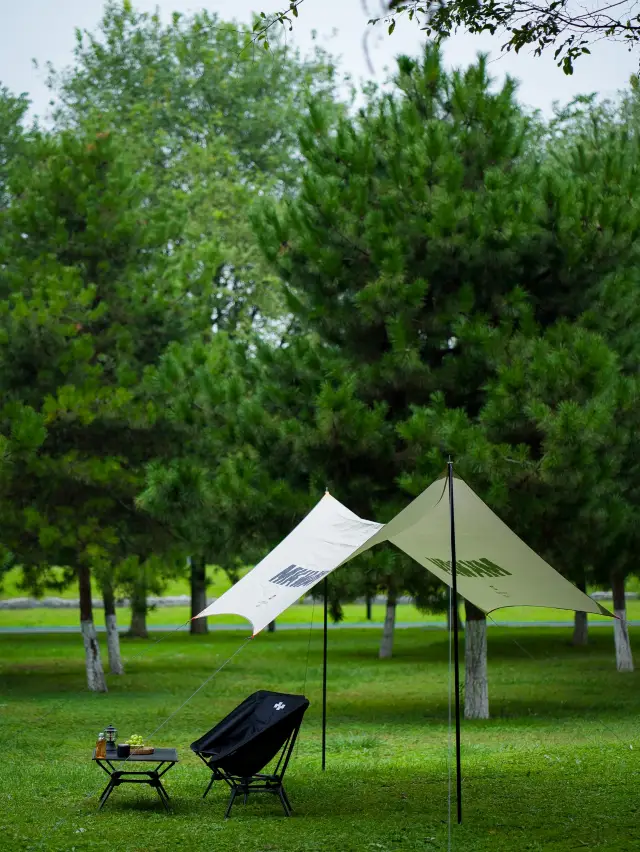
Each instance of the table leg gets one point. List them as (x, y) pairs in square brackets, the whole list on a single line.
[(106, 793), (164, 798), (155, 782)]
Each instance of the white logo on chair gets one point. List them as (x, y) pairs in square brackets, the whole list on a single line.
[(279, 706)]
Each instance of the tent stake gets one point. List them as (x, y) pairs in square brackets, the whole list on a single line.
[(324, 675), (454, 589)]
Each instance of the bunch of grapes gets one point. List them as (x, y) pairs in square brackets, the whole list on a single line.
[(135, 740)]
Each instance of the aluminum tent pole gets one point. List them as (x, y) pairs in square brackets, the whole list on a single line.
[(324, 675), (456, 661)]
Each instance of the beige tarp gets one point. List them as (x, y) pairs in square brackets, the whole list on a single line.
[(315, 548), (494, 567)]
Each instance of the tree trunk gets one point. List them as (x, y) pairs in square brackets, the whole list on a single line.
[(113, 637), (93, 660), (580, 629), (476, 684), (386, 645), (138, 626), (580, 624), (272, 627), (368, 607), (198, 594), (624, 658)]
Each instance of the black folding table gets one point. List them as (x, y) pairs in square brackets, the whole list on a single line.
[(165, 758)]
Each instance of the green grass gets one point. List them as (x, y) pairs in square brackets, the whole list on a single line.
[(301, 614), (552, 770)]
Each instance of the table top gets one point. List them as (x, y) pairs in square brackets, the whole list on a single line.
[(160, 754)]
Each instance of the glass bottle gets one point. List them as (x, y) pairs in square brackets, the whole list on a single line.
[(101, 747)]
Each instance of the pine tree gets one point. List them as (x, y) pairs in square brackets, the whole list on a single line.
[(550, 448), (436, 231), (404, 254), (599, 144), (85, 309)]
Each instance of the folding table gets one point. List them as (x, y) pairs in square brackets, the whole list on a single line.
[(165, 758)]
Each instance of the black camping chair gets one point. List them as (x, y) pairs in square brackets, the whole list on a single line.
[(266, 724)]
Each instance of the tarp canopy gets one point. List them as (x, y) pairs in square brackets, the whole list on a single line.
[(495, 568), (324, 539)]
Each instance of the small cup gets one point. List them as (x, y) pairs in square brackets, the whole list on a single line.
[(124, 750)]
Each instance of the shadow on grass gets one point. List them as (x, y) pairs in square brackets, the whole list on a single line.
[(517, 798), (545, 678)]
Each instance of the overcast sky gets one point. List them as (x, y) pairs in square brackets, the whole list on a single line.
[(44, 30)]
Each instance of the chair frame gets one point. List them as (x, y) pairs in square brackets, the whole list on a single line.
[(260, 783)]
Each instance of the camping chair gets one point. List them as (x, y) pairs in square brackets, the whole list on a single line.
[(265, 725)]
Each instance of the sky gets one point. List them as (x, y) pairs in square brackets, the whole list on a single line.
[(44, 30)]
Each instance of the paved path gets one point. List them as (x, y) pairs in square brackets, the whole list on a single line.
[(365, 625)]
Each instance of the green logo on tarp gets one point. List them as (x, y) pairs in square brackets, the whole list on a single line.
[(472, 567)]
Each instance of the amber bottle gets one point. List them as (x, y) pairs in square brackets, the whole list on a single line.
[(101, 747)]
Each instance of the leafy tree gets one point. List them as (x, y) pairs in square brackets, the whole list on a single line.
[(194, 79), (559, 26), (12, 137), (204, 113), (85, 308)]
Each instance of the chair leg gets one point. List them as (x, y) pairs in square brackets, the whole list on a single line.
[(283, 798), (231, 801), (286, 798), (213, 778)]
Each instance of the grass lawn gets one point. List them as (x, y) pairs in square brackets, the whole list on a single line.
[(556, 768), (301, 614)]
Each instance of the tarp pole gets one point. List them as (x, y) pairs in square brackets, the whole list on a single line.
[(456, 672), (324, 675)]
